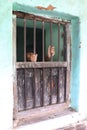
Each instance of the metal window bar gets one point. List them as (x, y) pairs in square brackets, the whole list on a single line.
[(65, 58), (65, 45), (43, 40), (24, 39), (34, 36), (58, 41), (51, 38)]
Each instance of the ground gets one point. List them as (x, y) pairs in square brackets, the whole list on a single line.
[(82, 125)]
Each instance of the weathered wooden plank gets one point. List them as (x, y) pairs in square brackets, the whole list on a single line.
[(32, 115), (57, 85), (15, 109), (37, 87), (46, 86), (39, 18), (42, 86), (68, 41), (51, 85), (29, 88), (40, 64), (62, 85), (54, 82), (21, 89), (34, 88)]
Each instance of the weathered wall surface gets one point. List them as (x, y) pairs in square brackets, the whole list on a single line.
[(83, 56), (79, 55), (6, 96)]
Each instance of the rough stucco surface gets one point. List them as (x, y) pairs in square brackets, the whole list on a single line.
[(5, 65), (79, 61)]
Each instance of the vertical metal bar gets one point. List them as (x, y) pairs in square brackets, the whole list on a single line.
[(58, 41), (64, 58), (51, 33), (65, 45), (34, 36), (24, 39), (51, 38), (43, 39)]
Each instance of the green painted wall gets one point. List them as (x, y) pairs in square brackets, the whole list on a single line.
[(75, 68), (6, 90), (79, 55)]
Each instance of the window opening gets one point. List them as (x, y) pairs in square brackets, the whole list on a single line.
[(43, 76), (37, 40)]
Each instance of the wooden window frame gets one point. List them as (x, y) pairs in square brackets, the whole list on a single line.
[(32, 115)]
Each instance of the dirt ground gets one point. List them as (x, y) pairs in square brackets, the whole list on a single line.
[(82, 125)]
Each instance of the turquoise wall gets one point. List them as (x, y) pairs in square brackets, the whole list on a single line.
[(78, 46), (6, 90), (75, 64)]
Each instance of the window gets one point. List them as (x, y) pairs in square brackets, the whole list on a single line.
[(41, 83)]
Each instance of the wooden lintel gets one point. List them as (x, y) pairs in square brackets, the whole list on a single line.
[(38, 18)]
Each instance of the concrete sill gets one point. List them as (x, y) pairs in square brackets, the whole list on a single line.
[(64, 119)]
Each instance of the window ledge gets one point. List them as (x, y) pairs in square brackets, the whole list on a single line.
[(67, 117)]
